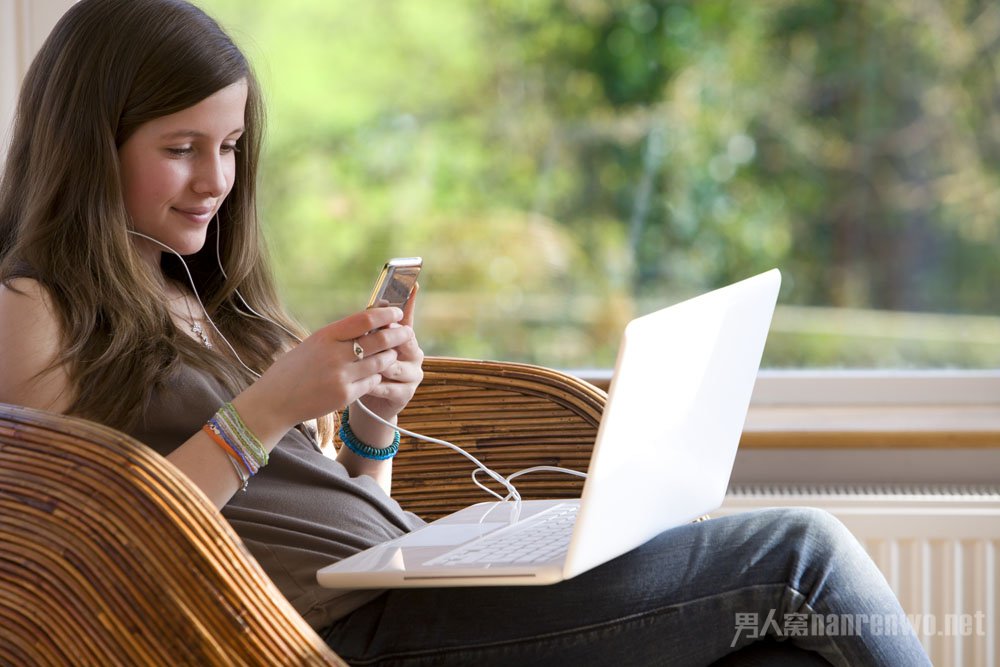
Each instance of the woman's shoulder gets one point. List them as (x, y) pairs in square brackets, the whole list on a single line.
[(26, 304), (23, 286), (30, 345)]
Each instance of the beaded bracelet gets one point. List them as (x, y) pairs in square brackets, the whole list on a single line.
[(244, 449), (361, 449)]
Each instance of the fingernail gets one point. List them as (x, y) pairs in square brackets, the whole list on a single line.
[(399, 313)]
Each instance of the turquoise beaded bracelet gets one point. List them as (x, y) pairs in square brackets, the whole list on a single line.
[(361, 449)]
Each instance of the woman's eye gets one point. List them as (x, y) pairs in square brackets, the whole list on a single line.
[(230, 148), (180, 152)]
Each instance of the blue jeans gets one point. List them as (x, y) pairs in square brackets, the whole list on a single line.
[(690, 596)]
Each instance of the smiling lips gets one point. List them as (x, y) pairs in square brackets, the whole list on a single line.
[(197, 214)]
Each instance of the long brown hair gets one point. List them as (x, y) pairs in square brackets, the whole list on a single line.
[(108, 67)]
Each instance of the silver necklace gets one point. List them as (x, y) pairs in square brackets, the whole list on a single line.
[(196, 328)]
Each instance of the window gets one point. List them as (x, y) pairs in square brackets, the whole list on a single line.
[(563, 166)]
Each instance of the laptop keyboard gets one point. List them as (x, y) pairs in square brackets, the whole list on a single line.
[(538, 539)]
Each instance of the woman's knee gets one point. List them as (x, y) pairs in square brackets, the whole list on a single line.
[(822, 546), (812, 533), (815, 523)]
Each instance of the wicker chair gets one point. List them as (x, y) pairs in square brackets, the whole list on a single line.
[(109, 556)]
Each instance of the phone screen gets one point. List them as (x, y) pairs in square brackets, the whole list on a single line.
[(395, 282)]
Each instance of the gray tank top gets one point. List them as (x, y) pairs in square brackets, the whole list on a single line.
[(300, 512)]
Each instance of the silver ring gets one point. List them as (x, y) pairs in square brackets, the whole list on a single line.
[(359, 352)]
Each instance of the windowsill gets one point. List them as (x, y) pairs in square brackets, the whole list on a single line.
[(868, 409)]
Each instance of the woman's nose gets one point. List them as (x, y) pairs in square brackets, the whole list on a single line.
[(211, 176)]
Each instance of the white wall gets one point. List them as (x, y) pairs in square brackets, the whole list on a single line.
[(24, 25)]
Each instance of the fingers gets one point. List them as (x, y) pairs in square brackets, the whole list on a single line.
[(403, 372), (388, 366), (400, 374), (359, 324), (385, 339), (410, 306), (366, 375), (365, 386), (375, 364)]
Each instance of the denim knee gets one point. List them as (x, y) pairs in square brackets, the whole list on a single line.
[(815, 527), (822, 549)]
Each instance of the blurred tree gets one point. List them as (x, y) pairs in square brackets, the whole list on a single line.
[(561, 164)]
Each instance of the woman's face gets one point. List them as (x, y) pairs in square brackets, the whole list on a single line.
[(178, 169)]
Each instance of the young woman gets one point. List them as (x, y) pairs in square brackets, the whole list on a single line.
[(135, 292)]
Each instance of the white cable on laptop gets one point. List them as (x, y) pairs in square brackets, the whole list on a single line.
[(497, 477), (512, 493)]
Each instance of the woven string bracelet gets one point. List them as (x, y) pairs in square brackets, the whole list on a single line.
[(244, 449), (244, 477), (230, 419), (216, 434)]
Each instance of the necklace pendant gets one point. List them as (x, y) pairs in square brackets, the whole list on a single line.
[(200, 333)]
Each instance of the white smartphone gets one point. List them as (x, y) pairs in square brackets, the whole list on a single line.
[(395, 282)]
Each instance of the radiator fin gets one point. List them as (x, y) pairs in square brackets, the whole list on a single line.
[(937, 545), (855, 490)]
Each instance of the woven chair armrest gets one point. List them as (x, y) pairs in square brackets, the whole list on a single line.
[(110, 556)]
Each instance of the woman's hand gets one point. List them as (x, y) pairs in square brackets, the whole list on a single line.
[(400, 380), (323, 374), (388, 397)]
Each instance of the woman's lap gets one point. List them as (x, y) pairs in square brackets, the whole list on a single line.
[(687, 597)]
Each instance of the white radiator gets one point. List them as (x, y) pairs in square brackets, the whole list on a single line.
[(938, 546)]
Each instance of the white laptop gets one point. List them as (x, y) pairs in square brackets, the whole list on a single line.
[(663, 456)]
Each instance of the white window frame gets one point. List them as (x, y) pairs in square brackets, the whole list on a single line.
[(956, 407), (869, 408)]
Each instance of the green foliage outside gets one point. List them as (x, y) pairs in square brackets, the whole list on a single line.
[(563, 165)]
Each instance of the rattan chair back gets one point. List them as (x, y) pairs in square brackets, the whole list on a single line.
[(510, 416)]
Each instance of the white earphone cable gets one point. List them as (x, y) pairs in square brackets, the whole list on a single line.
[(254, 313), (198, 297)]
